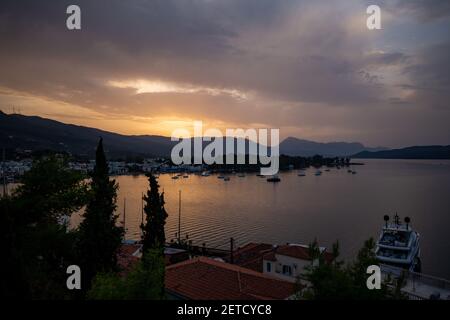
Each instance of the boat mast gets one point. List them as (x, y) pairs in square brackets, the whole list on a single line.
[(142, 208), (4, 173), (179, 216), (124, 215)]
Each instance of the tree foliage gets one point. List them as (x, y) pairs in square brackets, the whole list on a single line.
[(143, 282), (34, 238), (153, 229), (99, 235), (335, 281)]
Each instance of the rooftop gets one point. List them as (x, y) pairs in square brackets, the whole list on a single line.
[(251, 255), (295, 251), (207, 279), (127, 256)]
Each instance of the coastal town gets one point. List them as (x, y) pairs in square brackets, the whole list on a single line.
[(12, 170), (257, 271), (262, 271)]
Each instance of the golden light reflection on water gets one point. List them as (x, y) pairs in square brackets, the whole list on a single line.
[(335, 205)]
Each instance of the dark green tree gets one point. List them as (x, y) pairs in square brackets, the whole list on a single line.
[(146, 281), (153, 236), (35, 241), (143, 282), (50, 191), (314, 252), (99, 235), (334, 281)]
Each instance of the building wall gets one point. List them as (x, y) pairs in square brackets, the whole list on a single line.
[(276, 269)]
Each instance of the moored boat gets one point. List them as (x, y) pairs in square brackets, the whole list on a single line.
[(398, 245), (274, 178)]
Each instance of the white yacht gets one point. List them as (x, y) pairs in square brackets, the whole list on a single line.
[(398, 245)]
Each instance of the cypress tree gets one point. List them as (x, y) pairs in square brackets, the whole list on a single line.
[(153, 230), (99, 236)]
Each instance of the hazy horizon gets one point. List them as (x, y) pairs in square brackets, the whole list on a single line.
[(164, 136)]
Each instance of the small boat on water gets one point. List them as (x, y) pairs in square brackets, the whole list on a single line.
[(175, 177), (220, 177), (205, 174), (226, 179), (241, 175), (318, 173), (186, 176), (353, 172), (398, 245), (274, 179), (301, 174), (349, 171), (327, 170)]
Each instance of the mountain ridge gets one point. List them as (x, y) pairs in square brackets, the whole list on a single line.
[(38, 133), (414, 152)]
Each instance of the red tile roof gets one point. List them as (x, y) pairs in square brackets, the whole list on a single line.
[(270, 256), (125, 258), (250, 255), (295, 251), (206, 279)]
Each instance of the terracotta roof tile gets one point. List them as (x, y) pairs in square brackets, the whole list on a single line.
[(207, 279), (125, 258), (250, 255), (294, 251), (300, 252)]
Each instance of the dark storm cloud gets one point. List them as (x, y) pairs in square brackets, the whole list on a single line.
[(425, 10), (430, 76), (386, 59), (201, 42), (422, 10)]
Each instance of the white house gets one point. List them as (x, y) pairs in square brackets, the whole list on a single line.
[(288, 261)]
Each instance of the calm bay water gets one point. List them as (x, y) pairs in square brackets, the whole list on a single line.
[(336, 205)]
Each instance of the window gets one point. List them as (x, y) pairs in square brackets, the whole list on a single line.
[(268, 267), (287, 270)]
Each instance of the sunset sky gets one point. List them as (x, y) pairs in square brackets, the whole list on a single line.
[(310, 68)]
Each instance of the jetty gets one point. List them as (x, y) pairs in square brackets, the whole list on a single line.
[(417, 286)]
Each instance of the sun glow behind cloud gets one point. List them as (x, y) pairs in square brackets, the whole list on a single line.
[(157, 86)]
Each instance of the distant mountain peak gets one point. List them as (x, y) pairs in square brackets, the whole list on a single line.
[(300, 147), (415, 152)]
